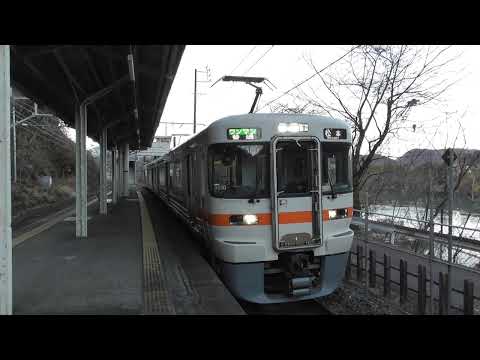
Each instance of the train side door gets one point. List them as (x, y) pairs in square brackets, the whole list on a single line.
[(190, 178), (296, 200)]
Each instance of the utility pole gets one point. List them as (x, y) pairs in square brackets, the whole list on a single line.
[(207, 71), (449, 158), (195, 104), (450, 223), (473, 184), (431, 251)]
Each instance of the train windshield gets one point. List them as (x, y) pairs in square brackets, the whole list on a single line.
[(336, 167), (239, 170)]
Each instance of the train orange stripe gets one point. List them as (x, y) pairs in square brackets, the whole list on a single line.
[(224, 219), (295, 217), (350, 212), (264, 219), (219, 219), (325, 216)]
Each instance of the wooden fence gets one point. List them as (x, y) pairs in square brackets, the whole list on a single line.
[(371, 274)]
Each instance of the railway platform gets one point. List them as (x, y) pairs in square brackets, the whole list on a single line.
[(129, 264)]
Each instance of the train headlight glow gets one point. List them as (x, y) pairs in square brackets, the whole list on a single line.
[(332, 214), (250, 219), (292, 127)]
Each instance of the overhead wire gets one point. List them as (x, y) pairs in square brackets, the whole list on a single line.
[(42, 130), (260, 58), (58, 142), (52, 135), (241, 62), (309, 78)]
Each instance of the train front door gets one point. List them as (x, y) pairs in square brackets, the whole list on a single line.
[(296, 200)]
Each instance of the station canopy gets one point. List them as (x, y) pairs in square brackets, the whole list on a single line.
[(60, 77)]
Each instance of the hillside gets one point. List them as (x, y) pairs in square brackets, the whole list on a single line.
[(420, 157), (44, 151), (406, 179)]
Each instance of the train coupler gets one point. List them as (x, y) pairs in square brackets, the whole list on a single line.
[(300, 286)]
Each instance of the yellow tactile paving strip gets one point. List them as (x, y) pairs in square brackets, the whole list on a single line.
[(155, 296)]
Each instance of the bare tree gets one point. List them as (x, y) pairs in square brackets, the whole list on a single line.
[(375, 91)]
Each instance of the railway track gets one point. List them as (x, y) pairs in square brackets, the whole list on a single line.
[(306, 307)]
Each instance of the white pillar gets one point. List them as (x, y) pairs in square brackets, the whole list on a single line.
[(120, 173), (126, 167), (114, 175), (103, 172), (5, 185), (14, 140), (81, 172)]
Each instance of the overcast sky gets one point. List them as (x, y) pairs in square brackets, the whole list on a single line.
[(285, 66)]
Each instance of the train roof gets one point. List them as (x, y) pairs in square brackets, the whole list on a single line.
[(267, 121), (275, 118)]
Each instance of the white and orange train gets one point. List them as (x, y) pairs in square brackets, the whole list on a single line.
[(270, 195)]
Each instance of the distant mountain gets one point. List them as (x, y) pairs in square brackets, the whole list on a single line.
[(381, 161), (420, 157)]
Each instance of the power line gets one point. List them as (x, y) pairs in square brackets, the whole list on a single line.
[(241, 62), (260, 58), (48, 137), (53, 136), (309, 78)]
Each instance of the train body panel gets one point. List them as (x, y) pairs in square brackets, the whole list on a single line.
[(271, 197)]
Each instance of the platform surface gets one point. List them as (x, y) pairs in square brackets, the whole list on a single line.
[(56, 273), (193, 287)]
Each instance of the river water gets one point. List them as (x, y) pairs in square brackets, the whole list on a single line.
[(460, 219)]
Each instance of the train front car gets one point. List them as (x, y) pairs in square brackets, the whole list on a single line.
[(280, 204)]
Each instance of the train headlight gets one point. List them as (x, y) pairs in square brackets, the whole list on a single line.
[(248, 219), (332, 214), (292, 127)]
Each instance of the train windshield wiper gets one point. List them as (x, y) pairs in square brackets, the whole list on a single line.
[(334, 195)]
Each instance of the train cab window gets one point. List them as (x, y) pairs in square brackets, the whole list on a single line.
[(239, 170), (336, 165), (294, 173)]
